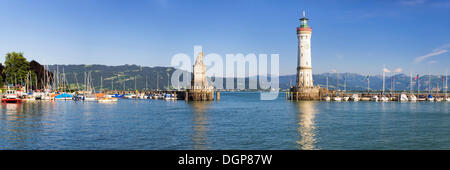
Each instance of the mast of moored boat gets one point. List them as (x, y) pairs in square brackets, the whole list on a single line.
[(368, 83), (410, 83), (345, 82), (101, 82), (418, 84), (383, 79), (446, 85), (429, 83), (327, 85)]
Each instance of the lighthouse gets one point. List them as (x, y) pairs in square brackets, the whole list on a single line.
[(304, 69), (304, 88)]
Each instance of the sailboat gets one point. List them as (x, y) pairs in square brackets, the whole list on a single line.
[(346, 98), (383, 97), (429, 96), (438, 99), (327, 98), (337, 98), (403, 98), (446, 88), (411, 96)]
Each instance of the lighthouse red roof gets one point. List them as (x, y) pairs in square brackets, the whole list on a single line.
[(304, 29)]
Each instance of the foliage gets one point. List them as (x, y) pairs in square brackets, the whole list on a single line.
[(16, 68)]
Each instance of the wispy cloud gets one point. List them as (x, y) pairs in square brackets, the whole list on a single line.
[(432, 62), (445, 4), (386, 70), (412, 2), (438, 51)]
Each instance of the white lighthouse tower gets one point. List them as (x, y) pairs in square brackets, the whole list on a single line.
[(304, 88), (304, 69)]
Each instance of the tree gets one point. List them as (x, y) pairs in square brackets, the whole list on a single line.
[(16, 68)]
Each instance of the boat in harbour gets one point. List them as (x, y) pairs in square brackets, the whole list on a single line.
[(374, 98), (346, 98), (11, 96), (355, 97), (63, 96), (168, 96), (412, 98), (107, 99), (403, 98), (384, 98), (430, 98)]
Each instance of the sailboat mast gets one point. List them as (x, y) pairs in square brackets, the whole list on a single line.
[(337, 82), (418, 84), (429, 83), (383, 79), (345, 82), (410, 82), (101, 82), (446, 85)]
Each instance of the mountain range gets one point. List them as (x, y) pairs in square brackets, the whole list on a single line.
[(123, 77)]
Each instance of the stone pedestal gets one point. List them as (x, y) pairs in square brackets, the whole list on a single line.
[(311, 93)]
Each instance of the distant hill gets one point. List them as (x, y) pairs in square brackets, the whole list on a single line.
[(124, 74), (359, 82), (117, 77)]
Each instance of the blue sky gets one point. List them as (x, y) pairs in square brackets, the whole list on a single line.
[(348, 36)]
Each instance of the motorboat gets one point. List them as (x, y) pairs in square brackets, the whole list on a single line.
[(168, 96), (63, 96), (346, 98), (11, 96)]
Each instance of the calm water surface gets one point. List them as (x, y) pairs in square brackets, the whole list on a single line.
[(238, 121)]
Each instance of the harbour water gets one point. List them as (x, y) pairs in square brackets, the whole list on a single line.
[(237, 121)]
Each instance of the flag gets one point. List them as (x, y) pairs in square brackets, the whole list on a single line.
[(367, 78), (417, 77), (443, 78)]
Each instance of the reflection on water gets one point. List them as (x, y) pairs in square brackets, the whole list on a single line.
[(306, 114), (22, 121), (200, 124)]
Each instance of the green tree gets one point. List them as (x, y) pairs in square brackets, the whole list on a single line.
[(16, 68)]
